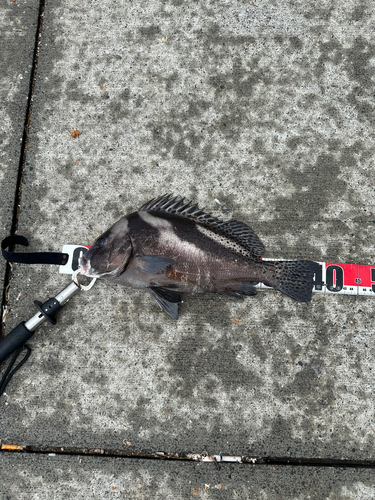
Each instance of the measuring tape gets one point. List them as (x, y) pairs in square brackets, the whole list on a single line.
[(332, 277)]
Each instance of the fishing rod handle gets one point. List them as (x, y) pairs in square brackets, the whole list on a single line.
[(47, 311), (15, 339)]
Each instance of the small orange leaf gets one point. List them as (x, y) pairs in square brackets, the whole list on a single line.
[(237, 320), (219, 486), (75, 133), (196, 492)]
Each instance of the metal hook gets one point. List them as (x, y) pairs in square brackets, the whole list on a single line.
[(82, 287)]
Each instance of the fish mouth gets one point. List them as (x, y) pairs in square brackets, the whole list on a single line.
[(85, 269), (84, 266)]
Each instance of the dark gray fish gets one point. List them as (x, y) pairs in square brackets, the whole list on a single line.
[(170, 246)]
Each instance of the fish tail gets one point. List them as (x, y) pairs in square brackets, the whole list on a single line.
[(293, 278)]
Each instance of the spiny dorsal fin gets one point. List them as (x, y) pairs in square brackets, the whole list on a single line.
[(179, 206)]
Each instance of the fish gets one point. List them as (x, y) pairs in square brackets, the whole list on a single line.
[(169, 246)]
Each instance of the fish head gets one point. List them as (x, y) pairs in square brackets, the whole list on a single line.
[(109, 254)]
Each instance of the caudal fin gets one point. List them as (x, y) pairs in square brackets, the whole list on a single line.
[(294, 278)]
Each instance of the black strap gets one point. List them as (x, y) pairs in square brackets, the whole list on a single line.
[(7, 376), (30, 258)]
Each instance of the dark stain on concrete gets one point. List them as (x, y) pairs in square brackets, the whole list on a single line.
[(294, 142), (320, 182), (115, 208), (317, 13), (150, 32), (241, 79), (93, 377), (315, 392), (359, 12), (118, 110), (256, 344), (181, 137), (355, 62), (296, 43), (213, 35), (171, 80), (194, 360)]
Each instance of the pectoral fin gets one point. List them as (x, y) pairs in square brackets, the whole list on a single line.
[(154, 264), (167, 300)]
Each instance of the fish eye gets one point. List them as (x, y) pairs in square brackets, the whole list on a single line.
[(100, 242)]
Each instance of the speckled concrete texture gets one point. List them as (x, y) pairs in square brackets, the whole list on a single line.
[(267, 108), (18, 24), (43, 477)]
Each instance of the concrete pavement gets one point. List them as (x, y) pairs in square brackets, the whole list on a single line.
[(267, 109)]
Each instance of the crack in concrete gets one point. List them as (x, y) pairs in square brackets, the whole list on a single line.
[(22, 161), (190, 457)]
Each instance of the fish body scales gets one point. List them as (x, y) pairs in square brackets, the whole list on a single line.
[(170, 246)]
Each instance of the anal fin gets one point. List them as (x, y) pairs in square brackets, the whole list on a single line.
[(228, 293), (236, 290), (167, 300)]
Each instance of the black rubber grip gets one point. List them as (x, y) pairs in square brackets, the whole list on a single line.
[(15, 339)]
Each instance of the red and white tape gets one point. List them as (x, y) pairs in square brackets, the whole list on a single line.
[(332, 277)]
